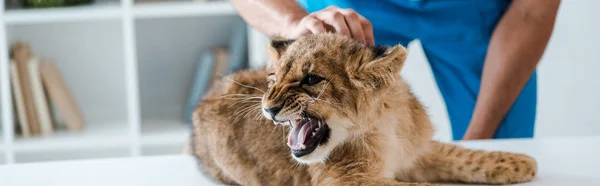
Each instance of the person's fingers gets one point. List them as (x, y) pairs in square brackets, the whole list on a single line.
[(313, 24), (297, 32), (300, 31), (367, 30), (308, 25), (343, 21), (332, 7), (354, 24), (336, 20)]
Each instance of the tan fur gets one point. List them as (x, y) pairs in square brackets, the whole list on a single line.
[(380, 133)]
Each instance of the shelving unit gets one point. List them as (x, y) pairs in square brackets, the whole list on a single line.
[(105, 135), (97, 11), (128, 65), (160, 133), (183, 9)]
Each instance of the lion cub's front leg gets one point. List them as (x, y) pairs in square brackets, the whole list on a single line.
[(452, 163), (353, 174), (366, 180)]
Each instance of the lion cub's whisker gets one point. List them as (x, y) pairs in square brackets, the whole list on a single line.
[(239, 95), (243, 101), (246, 110), (322, 90), (247, 86), (243, 110), (251, 111)]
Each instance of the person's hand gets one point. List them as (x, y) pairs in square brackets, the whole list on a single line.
[(335, 19)]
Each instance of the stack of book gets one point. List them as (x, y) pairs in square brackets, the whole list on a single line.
[(37, 88), (214, 64)]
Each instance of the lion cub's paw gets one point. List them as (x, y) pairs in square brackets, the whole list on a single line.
[(512, 168), (417, 184)]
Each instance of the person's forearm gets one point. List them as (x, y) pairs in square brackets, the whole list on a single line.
[(517, 45), (270, 17)]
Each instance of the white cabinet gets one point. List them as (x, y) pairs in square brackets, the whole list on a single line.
[(128, 66)]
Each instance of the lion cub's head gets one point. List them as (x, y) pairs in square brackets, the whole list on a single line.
[(327, 87)]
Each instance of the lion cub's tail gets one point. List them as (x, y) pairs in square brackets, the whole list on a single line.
[(452, 163)]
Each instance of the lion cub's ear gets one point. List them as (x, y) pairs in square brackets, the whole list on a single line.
[(387, 59), (382, 66), (277, 47)]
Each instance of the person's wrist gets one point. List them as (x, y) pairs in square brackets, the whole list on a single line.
[(473, 135), (477, 130)]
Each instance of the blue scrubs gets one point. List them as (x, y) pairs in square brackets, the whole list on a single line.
[(455, 35)]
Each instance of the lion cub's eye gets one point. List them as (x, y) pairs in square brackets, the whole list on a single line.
[(271, 79), (311, 80)]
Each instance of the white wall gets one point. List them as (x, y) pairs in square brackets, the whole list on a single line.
[(568, 78)]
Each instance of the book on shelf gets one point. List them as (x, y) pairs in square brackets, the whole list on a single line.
[(60, 96), (238, 48), (21, 55), (39, 96), (19, 103), (215, 63), (199, 83), (39, 91), (220, 68), (210, 67)]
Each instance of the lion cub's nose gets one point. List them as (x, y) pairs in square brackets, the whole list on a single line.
[(273, 111)]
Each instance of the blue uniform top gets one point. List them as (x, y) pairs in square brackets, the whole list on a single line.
[(455, 35)]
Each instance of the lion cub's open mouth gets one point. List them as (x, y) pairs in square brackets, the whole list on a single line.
[(307, 133)]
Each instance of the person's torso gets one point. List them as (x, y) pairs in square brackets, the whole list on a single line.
[(422, 18)]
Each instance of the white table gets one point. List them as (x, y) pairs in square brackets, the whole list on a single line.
[(561, 161)]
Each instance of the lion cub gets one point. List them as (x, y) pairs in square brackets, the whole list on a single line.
[(342, 116)]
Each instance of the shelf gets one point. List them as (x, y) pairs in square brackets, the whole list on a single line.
[(108, 135), (164, 133), (71, 154), (182, 9), (94, 136), (96, 11), (94, 46)]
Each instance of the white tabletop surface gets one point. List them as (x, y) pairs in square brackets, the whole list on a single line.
[(561, 161)]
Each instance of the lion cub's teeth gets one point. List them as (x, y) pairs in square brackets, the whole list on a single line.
[(302, 146), (314, 133), (317, 129)]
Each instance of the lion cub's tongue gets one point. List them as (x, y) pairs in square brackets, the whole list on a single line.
[(297, 136)]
